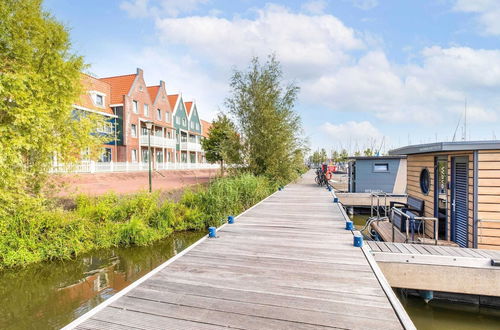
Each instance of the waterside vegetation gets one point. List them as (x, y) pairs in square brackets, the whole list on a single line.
[(38, 231)]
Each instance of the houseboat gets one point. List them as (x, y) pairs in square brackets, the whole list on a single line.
[(377, 174), (459, 184)]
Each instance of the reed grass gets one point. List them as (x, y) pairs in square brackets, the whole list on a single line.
[(37, 230)]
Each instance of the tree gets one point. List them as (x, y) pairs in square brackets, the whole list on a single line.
[(368, 152), (222, 144), (39, 82), (323, 156), (269, 127)]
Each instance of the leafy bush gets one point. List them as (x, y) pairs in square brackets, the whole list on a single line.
[(35, 229)]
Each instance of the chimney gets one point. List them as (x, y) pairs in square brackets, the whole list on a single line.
[(162, 83), (139, 71)]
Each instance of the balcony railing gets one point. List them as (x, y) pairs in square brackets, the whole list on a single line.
[(97, 167), (158, 141), (191, 146)]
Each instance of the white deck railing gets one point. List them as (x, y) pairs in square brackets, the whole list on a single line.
[(98, 167)]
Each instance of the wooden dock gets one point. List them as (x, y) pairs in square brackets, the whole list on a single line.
[(286, 263), (438, 268)]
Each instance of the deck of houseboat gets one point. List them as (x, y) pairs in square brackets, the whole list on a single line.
[(385, 231)]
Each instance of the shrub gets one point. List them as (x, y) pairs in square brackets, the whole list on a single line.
[(36, 229)]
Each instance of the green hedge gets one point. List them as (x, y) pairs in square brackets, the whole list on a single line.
[(33, 231)]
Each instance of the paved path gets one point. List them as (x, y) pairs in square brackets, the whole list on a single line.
[(286, 263)]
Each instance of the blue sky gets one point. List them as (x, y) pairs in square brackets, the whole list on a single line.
[(371, 72)]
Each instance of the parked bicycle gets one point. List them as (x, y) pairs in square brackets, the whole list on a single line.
[(323, 176)]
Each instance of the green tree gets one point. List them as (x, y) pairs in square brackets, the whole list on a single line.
[(368, 152), (343, 156), (222, 144), (39, 82), (269, 127), (357, 153), (323, 155)]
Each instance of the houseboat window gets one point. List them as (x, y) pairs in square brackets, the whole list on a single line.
[(158, 114), (381, 167), (425, 181), (136, 107)]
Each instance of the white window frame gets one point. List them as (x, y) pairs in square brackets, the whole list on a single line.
[(135, 106), (146, 110), (133, 130), (167, 116), (381, 167), (133, 155)]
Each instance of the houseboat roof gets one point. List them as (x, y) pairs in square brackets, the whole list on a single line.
[(446, 146), (377, 157)]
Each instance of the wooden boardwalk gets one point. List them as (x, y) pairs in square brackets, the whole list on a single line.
[(286, 263), (438, 268)]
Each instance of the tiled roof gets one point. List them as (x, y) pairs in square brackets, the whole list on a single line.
[(153, 91), (120, 85), (172, 99), (188, 105), (93, 84), (205, 127)]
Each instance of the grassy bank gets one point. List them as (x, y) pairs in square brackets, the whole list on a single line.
[(36, 230)]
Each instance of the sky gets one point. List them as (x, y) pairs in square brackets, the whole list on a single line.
[(372, 73)]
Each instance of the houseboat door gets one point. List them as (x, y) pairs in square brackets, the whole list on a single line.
[(459, 200)]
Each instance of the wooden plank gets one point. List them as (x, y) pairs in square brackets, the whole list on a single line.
[(411, 248), (495, 157), (495, 174), (488, 165), (373, 246), (420, 248)]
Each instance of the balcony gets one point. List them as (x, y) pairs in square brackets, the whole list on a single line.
[(158, 141), (190, 146)]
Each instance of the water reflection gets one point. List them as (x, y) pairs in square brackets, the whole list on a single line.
[(50, 295)]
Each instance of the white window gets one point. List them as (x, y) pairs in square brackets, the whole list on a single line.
[(133, 129), (381, 167), (169, 135), (99, 100), (134, 156), (167, 116), (177, 121), (146, 110), (136, 107), (197, 125), (158, 114), (184, 121)]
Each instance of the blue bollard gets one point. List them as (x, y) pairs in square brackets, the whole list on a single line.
[(335, 199), (230, 219), (358, 240), (348, 225), (329, 188), (211, 232)]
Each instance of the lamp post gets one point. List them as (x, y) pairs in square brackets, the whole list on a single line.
[(149, 126)]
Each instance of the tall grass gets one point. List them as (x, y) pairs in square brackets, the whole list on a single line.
[(34, 231)]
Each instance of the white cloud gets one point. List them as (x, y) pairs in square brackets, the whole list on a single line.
[(308, 44), (315, 7), (427, 93), (364, 4), (352, 133), (173, 8), (487, 11)]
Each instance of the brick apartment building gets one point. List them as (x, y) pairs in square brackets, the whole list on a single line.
[(129, 103)]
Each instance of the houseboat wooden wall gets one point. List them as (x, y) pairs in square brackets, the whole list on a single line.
[(489, 199), (415, 165)]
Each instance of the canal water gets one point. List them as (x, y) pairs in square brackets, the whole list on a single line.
[(52, 294), (440, 314)]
